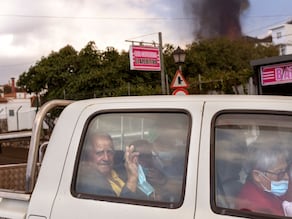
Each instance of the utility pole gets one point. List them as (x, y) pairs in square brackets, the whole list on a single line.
[(163, 87)]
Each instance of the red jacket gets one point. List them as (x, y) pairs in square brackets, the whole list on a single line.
[(253, 198)]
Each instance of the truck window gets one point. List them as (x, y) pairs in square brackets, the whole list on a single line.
[(252, 164), (134, 158)]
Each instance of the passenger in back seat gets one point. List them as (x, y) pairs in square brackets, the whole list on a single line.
[(97, 175), (153, 179), (169, 157), (267, 183)]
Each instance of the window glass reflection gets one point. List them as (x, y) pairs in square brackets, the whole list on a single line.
[(252, 163), (137, 156)]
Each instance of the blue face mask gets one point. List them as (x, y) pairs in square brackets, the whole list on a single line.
[(143, 185), (279, 188)]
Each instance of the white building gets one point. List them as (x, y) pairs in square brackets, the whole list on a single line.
[(282, 37), (19, 114), (16, 109)]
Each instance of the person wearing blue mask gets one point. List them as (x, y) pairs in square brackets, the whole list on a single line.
[(267, 184)]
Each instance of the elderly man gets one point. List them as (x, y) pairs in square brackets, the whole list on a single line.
[(267, 184), (97, 175)]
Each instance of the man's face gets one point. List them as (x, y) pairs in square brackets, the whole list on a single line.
[(103, 155)]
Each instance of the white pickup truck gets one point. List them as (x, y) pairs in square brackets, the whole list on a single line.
[(195, 160)]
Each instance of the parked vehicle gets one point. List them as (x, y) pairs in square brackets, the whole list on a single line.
[(199, 145)]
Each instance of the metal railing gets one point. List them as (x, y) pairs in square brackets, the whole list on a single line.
[(35, 141), (12, 136)]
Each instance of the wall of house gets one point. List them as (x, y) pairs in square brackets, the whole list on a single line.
[(282, 36), (18, 114)]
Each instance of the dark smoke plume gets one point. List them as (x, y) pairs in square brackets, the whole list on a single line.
[(214, 18)]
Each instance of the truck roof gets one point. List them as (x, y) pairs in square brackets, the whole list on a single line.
[(167, 98)]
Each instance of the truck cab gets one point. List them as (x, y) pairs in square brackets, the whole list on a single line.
[(193, 151)]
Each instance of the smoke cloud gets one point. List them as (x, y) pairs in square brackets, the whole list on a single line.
[(214, 18)]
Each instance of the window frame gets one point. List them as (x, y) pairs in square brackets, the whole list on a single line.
[(11, 113), (149, 203), (228, 211)]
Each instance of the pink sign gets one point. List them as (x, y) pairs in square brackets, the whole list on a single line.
[(276, 74), (145, 58)]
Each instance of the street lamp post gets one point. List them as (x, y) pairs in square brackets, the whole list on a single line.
[(179, 83), (179, 56)]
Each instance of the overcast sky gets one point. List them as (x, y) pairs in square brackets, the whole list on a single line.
[(30, 29)]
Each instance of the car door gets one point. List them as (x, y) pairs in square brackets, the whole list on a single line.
[(171, 127), (236, 136)]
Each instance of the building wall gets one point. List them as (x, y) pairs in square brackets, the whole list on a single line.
[(282, 36), (18, 113)]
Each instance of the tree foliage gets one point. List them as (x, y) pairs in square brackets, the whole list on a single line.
[(222, 63), (89, 73), (70, 74)]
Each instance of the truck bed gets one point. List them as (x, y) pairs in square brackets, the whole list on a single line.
[(13, 177)]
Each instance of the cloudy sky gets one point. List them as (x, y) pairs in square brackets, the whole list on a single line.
[(30, 29)]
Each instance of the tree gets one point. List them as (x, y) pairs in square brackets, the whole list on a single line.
[(86, 74), (70, 74), (222, 63), (51, 74)]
